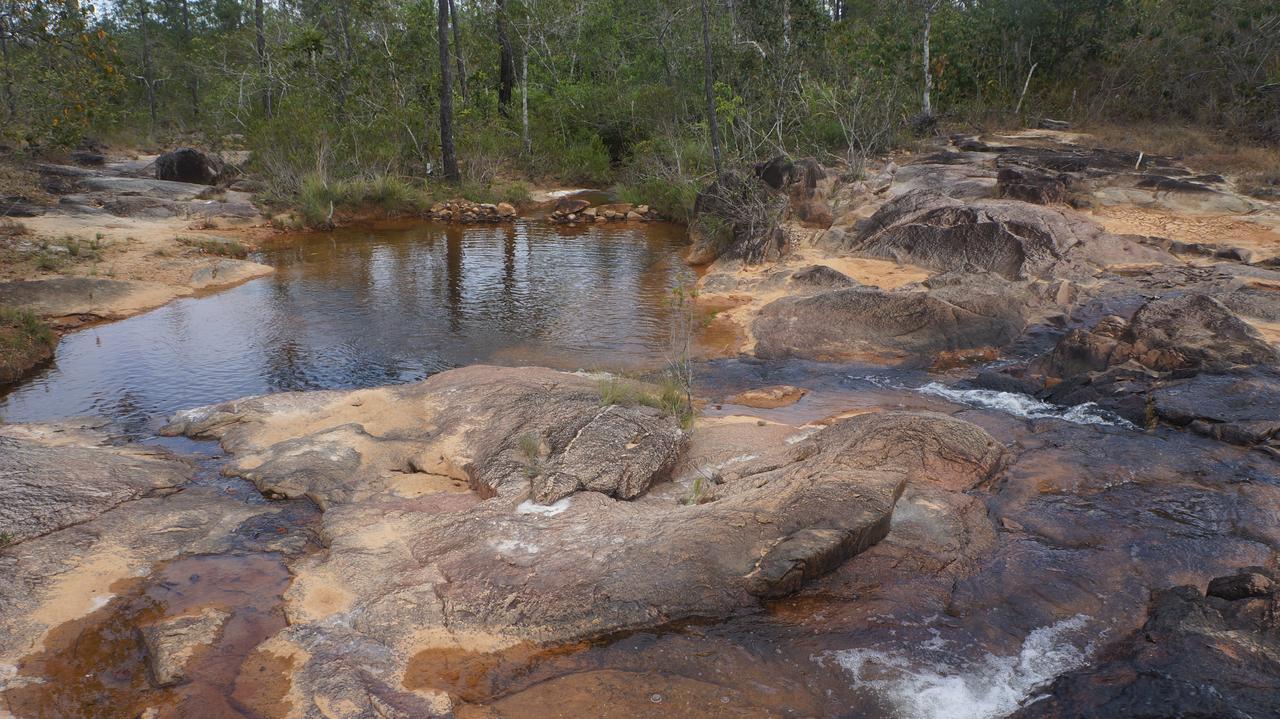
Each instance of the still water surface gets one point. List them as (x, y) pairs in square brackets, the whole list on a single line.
[(363, 307)]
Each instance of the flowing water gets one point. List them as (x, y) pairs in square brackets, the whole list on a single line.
[(974, 601)]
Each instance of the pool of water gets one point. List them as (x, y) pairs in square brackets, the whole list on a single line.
[(370, 306)]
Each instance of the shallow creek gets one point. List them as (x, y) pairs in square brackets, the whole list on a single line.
[(371, 306), (974, 601)]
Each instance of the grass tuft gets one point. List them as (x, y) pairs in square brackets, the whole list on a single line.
[(221, 248)]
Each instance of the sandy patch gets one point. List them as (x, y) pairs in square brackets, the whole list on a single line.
[(885, 274), (149, 254), (82, 590), (1259, 233)]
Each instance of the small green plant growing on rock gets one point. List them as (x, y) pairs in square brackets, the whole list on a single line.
[(677, 382), (531, 449), (614, 390), (5, 539)]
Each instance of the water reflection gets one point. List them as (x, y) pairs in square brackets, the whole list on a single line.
[(373, 306)]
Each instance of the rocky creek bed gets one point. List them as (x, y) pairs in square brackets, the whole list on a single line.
[(964, 451)]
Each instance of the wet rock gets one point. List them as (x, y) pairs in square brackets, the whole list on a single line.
[(94, 517), (44, 488), (867, 322), (1192, 332), (1197, 655), (189, 165), (1244, 585), (1240, 407), (1183, 358), (468, 212), (172, 642), (410, 572)]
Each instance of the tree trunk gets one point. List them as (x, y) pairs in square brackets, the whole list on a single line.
[(447, 156), (10, 100), (148, 77), (258, 23), (506, 61), (457, 49), (928, 71), (524, 103), (709, 87), (344, 58), (193, 81)]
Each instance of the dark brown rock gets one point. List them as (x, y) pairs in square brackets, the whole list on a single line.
[(1030, 186), (189, 165), (1244, 585), (1196, 656)]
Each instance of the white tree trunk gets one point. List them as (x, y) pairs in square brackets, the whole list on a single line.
[(928, 71)]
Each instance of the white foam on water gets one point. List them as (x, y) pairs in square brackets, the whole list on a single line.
[(988, 689), (529, 506), (1022, 405)]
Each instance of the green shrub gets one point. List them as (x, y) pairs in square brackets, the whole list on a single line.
[(390, 193), (516, 193), (671, 197), (315, 200), (585, 161)]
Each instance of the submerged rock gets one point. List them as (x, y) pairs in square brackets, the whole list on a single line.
[(171, 643)]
